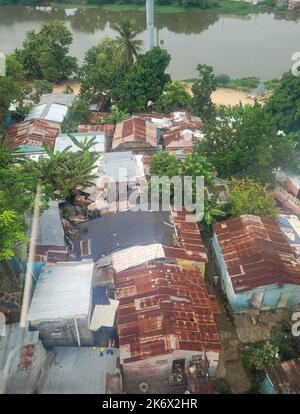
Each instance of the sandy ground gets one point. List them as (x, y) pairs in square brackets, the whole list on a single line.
[(231, 97), (60, 87)]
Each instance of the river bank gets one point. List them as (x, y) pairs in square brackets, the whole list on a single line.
[(221, 96)]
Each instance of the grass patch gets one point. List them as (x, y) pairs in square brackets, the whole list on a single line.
[(245, 84), (137, 7), (236, 7)]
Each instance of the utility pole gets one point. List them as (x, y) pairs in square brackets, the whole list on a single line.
[(150, 22)]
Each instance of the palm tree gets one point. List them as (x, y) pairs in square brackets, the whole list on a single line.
[(128, 46), (116, 115), (86, 144)]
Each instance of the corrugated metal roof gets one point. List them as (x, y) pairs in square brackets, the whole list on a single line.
[(104, 315), (135, 256), (78, 371), (135, 131), (108, 129), (256, 253), (63, 141), (285, 376), (33, 133), (182, 136), (63, 290), (50, 231), (52, 107), (164, 307)]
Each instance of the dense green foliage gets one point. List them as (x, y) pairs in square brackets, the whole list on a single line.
[(45, 54), (284, 104), (202, 89), (250, 197), (174, 97), (64, 172), (12, 86), (243, 142), (247, 84), (78, 113)]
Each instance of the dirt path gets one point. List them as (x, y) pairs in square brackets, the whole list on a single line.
[(230, 365)]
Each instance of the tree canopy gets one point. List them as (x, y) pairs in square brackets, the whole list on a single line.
[(202, 89), (174, 97), (244, 142), (45, 54), (284, 103), (250, 197)]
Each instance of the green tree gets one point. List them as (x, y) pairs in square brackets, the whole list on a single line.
[(101, 71), (202, 89), (128, 46), (116, 115), (165, 164), (174, 97), (250, 197), (66, 171), (13, 85), (41, 87), (79, 113), (284, 104), (144, 81), (243, 142), (45, 54), (259, 357)]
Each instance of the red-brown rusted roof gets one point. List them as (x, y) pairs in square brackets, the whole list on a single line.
[(34, 132), (176, 137), (188, 244), (256, 253), (135, 131), (108, 129), (164, 307), (285, 377)]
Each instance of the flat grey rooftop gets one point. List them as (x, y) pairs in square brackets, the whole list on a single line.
[(78, 371)]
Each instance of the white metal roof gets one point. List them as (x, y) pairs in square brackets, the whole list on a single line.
[(56, 112), (104, 315), (135, 256), (36, 112), (62, 291), (63, 141)]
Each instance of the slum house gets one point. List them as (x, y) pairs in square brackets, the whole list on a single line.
[(119, 174), (287, 190), (50, 246), (27, 368), (135, 134), (282, 378), (64, 141), (52, 107), (258, 267), (61, 304), (290, 226), (167, 332), (22, 358), (29, 136), (180, 139)]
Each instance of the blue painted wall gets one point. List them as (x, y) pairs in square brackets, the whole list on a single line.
[(267, 387), (287, 296)]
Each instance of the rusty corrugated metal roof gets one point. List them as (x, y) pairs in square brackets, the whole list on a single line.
[(34, 133), (135, 130), (256, 253), (164, 307), (285, 377), (108, 129), (174, 138)]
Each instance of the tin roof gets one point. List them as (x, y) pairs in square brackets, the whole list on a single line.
[(64, 140), (63, 290), (285, 376), (52, 107), (182, 136), (136, 132), (108, 129), (33, 133), (163, 307), (256, 253)]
